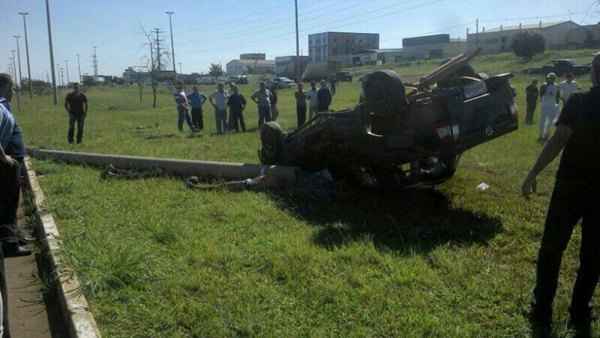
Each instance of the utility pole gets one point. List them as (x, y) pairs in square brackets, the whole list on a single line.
[(477, 32), (67, 70), (180, 68), (18, 92), (297, 44), (170, 14), (157, 47), (51, 53), (17, 37), (95, 63), (24, 15), (79, 68)]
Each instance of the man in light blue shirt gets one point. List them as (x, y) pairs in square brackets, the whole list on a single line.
[(219, 101), (12, 152), (197, 100)]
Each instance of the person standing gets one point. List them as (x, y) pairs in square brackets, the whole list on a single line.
[(568, 88), (237, 104), (12, 153), (76, 104), (301, 105), (324, 97), (332, 84), (574, 199), (262, 98), (550, 97), (182, 103), (274, 99), (219, 101), (533, 94), (313, 100), (197, 101)]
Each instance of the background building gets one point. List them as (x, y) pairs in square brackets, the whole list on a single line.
[(286, 65), (241, 67), (432, 47), (253, 56), (558, 35), (339, 47)]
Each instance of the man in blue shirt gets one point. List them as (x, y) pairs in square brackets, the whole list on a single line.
[(12, 152), (197, 100)]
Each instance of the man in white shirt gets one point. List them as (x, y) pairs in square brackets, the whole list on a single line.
[(568, 88), (313, 100), (550, 97), (219, 101)]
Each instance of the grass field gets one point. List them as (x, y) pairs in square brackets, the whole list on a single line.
[(158, 260)]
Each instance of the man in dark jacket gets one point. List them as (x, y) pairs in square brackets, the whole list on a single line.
[(575, 198), (237, 104), (324, 96), (76, 105), (533, 93)]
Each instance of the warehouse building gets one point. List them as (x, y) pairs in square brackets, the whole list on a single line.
[(558, 35), (286, 65), (339, 47), (251, 63), (432, 47)]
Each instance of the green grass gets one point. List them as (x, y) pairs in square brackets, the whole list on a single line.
[(158, 260)]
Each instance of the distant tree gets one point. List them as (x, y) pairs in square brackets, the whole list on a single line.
[(216, 70), (526, 44)]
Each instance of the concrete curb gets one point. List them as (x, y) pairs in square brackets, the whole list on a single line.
[(79, 321)]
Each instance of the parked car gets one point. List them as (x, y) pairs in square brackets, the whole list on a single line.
[(282, 82), (240, 79), (561, 68), (343, 76)]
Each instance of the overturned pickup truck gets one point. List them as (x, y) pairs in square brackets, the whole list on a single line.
[(401, 135)]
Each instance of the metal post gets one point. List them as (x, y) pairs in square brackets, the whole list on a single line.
[(51, 53), (24, 15), (297, 45), (79, 68), (180, 68), (170, 14), (17, 37), (17, 92)]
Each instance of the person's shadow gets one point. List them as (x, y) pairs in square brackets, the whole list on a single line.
[(408, 221)]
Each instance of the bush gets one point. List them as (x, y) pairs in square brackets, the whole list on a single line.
[(526, 44)]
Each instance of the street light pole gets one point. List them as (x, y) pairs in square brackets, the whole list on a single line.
[(79, 67), (297, 45), (51, 53), (17, 37), (24, 15), (18, 95), (170, 14)]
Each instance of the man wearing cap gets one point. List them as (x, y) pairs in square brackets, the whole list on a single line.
[(578, 137), (550, 97)]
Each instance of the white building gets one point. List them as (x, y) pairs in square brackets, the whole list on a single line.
[(241, 67), (558, 35)]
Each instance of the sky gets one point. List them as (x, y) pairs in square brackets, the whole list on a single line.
[(208, 32)]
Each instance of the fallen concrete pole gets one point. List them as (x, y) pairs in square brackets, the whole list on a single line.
[(181, 168)]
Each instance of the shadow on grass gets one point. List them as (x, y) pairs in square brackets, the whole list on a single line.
[(407, 222)]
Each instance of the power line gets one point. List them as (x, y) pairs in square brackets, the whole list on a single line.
[(170, 14)]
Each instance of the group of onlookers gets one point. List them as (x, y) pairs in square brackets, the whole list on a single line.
[(229, 106), (550, 95), (314, 101)]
